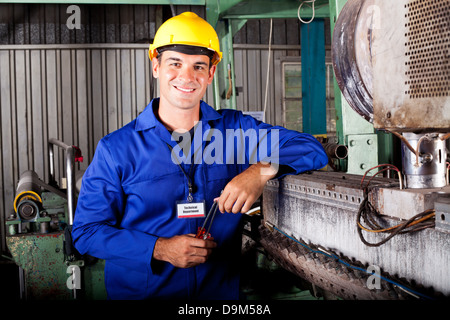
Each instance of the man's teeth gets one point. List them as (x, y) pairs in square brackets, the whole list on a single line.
[(185, 90)]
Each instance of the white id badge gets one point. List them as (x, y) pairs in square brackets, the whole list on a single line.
[(187, 209)]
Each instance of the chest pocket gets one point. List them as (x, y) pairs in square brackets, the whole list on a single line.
[(217, 172)]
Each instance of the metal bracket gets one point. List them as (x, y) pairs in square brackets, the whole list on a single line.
[(442, 208), (362, 152)]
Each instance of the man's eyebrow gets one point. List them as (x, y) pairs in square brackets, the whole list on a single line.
[(173, 59), (180, 60)]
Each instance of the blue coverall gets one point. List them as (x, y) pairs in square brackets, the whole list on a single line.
[(130, 189)]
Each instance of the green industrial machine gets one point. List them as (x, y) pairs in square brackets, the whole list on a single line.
[(39, 230), (39, 237)]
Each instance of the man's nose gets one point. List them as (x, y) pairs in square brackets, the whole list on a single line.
[(186, 74)]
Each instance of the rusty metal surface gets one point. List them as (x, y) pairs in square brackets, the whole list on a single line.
[(42, 258), (321, 208), (411, 66), (391, 61)]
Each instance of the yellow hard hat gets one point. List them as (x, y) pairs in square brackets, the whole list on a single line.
[(186, 29)]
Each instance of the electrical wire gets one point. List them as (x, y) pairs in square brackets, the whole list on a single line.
[(445, 137), (369, 214), (407, 144), (337, 259), (312, 2), (416, 150), (425, 137), (447, 172), (389, 167), (413, 221), (268, 66)]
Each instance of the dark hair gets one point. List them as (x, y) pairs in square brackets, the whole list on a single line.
[(192, 50)]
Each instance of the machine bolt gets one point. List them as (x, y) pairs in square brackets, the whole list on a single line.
[(363, 166), (352, 143), (369, 142), (427, 157)]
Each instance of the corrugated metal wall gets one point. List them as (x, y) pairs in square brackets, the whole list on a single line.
[(79, 85), (73, 85), (251, 67), (99, 23), (74, 94)]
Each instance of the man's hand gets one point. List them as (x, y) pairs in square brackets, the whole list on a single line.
[(183, 251), (241, 192)]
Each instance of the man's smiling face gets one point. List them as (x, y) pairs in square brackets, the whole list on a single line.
[(183, 78)]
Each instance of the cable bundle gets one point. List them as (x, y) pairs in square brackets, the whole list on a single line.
[(368, 213)]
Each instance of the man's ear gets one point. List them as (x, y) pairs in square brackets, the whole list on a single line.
[(212, 70), (155, 67)]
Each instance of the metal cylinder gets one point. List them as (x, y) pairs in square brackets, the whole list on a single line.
[(44, 227), (28, 196), (70, 173), (12, 229), (427, 168), (335, 151), (29, 181), (351, 54), (28, 209)]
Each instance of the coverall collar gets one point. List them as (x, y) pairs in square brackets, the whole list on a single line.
[(147, 119)]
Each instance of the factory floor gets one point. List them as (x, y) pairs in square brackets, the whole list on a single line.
[(262, 279)]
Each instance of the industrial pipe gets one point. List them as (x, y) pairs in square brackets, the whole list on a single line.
[(335, 151), (71, 152), (28, 196)]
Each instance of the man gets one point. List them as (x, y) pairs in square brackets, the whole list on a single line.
[(134, 206)]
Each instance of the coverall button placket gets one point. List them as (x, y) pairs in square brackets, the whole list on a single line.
[(145, 212)]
